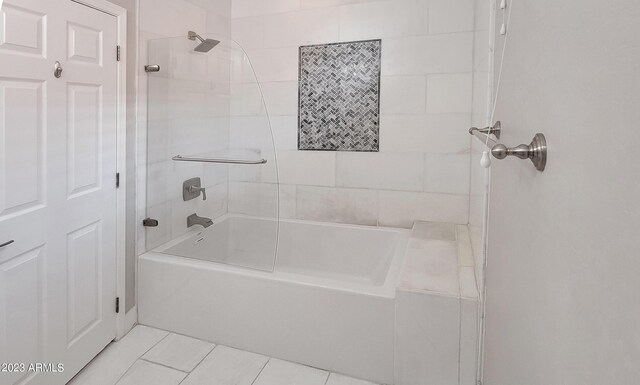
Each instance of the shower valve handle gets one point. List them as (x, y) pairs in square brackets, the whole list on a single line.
[(195, 189)]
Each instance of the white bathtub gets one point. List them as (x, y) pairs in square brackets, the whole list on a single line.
[(328, 303)]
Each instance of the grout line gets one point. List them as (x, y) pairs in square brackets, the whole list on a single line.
[(341, 40), (260, 372), (205, 356), (196, 367), (161, 364), (140, 356), (327, 380)]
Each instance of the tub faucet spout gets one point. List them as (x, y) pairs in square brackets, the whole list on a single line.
[(194, 219)]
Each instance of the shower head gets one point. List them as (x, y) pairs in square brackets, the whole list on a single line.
[(205, 44)]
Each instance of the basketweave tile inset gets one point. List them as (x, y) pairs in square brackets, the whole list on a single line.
[(339, 96)]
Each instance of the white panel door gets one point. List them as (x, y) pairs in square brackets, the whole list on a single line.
[(57, 186)]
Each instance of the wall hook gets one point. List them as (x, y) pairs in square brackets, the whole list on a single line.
[(536, 151)]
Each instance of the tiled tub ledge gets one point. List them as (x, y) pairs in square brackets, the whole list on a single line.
[(436, 308)]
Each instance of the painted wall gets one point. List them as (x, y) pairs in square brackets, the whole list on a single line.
[(562, 275), (132, 111), (422, 169)]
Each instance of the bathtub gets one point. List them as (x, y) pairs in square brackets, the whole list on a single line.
[(326, 301)]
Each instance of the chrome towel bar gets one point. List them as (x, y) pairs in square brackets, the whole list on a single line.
[(179, 158)]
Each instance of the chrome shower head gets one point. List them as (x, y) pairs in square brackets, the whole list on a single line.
[(205, 45)]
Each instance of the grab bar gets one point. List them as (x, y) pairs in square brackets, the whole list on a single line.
[(179, 158)]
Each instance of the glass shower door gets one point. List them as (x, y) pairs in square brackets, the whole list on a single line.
[(209, 136)]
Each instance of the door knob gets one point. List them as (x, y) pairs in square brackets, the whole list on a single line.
[(536, 151), (57, 69)]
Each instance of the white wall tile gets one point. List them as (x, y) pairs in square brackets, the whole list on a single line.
[(449, 93), (380, 19), (447, 16), (179, 110), (392, 171), (416, 55), (260, 199), (301, 28), (329, 204), (275, 64), (465, 249), (244, 8), (315, 168), (402, 208), (415, 66), (432, 266), (304, 4), (248, 32), (281, 98), (447, 173), (468, 288), (447, 133), (242, 70), (250, 133), (285, 132), (221, 6), (434, 231), (156, 236), (400, 133), (288, 201), (170, 17), (468, 341), (426, 345), (403, 94), (246, 99), (218, 23)]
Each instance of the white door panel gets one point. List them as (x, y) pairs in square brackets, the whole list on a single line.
[(57, 186)]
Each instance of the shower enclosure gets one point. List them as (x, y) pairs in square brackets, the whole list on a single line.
[(211, 157), (224, 267), (227, 268)]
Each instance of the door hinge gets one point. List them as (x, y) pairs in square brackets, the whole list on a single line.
[(117, 304), (118, 53), (117, 180)]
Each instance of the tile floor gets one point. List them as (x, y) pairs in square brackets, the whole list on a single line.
[(157, 357)]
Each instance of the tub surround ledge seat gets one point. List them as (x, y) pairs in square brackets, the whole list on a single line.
[(436, 308)]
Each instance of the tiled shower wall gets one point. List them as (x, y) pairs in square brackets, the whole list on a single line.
[(184, 123), (422, 169)]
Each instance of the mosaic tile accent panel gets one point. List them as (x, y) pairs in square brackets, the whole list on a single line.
[(339, 96)]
